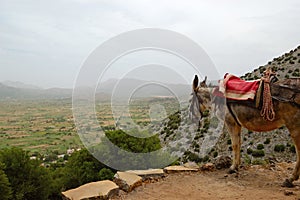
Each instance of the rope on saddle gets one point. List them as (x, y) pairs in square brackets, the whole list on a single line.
[(267, 111)]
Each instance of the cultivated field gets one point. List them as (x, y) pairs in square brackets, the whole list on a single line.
[(47, 126)]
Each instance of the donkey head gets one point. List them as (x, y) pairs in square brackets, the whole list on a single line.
[(200, 99)]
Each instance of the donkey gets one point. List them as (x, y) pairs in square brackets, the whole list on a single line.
[(238, 114)]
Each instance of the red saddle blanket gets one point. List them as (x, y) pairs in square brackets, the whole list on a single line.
[(232, 87)]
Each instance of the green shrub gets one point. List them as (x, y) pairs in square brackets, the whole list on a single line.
[(215, 154), (206, 158), (205, 113), (292, 149), (249, 151), (192, 157), (279, 148), (229, 141), (296, 74), (259, 162), (260, 146), (106, 174), (267, 141), (258, 153)]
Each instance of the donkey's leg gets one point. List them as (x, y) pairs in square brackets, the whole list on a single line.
[(295, 134), (234, 130)]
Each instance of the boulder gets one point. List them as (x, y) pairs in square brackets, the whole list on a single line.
[(96, 190), (174, 169), (127, 181), (149, 174), (222, 162), (207, 167)]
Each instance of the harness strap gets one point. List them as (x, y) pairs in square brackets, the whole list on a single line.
[(231, 112)]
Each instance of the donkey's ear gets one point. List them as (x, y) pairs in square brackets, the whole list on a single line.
[(203, 83), (195, 82)]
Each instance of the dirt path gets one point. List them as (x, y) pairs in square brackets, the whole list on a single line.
[(255, 182)]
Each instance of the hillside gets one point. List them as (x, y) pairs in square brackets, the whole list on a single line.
[(210, 141), (285, 66)]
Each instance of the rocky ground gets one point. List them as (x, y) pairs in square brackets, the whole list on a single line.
[(252, 182)]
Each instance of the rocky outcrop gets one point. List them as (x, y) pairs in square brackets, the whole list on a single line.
[(96, 190), (150, 174), (174, 169), (127, 181)]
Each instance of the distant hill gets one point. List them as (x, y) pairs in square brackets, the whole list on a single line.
[(18, 84), (120, 89), (285, 66), (23, 91)]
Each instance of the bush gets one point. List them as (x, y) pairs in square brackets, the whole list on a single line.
[(259, 162), (279, 148), (229, 141), (215, 154), (258, 153), (292, 149), (249, 151), (267, 141), (260, 146), (106, 174), (206, 158), (192, 157)]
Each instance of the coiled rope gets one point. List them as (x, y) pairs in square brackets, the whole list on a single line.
[(267, 111)]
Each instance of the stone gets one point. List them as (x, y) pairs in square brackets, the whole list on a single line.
[(127, 181), (149, 174), (207, 167), (222, 162), (288, 193), (191, 165), (95, 190), (174, 169)]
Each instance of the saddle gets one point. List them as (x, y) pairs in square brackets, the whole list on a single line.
[(255, 93), (236, 90)]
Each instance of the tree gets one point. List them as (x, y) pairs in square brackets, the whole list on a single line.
[(28, 179), (81, 168), (106, 174), (5, 189)]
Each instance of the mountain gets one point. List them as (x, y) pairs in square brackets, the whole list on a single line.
[(25, 91), (118, 89), (18, 84)]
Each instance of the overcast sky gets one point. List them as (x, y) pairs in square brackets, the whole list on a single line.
[(45, 42)]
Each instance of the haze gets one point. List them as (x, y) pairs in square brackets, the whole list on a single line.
[(44, 43)]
